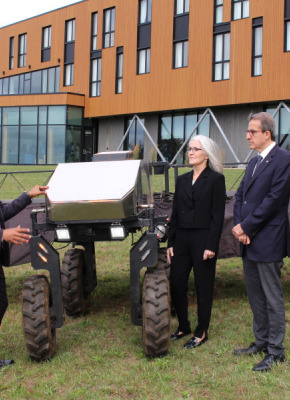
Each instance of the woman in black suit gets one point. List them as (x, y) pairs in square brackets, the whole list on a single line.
[(194, 233)]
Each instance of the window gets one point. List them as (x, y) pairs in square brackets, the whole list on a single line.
[(96, 75), (181, 6), (22, 48), (46, 44), (94, 34), (145, 9), (180, 34), (218, 11), (175, 129), (287, 26), (181, 54), (282, 122), (119, 70), (135, 138), (240, 9), (109, 28), (41, 134), (144, 61), (257, 46), (221, 56), (144, 37), (69, 49), (11, 53), (69, 75)]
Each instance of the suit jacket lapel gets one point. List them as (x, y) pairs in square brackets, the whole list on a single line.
[(188, 183), (201, 179), (267, 160)]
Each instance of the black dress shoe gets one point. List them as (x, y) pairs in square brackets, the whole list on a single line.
[(252, 349), (268, 362), (178, 335), (4, 363), (194, 342)]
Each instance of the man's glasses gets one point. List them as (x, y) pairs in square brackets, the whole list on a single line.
[(252, 132), (193, 149)]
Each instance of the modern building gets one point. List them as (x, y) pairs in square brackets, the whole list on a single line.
[(73, 79)]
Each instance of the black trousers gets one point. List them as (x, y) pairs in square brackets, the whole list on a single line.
[(3, 294), (188, 253)]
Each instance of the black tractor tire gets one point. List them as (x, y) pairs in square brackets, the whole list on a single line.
[(156, 313), (38, 335), (72, 282), (162, 262)]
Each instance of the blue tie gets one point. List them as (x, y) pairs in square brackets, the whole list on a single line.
[(259, 160)]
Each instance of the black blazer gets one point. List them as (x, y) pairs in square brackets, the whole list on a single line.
[(8, 211), (199, 206)]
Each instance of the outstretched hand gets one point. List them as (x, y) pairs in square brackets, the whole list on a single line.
[(37, 191), (16, 235)]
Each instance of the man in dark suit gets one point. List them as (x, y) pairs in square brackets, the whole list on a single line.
[(16, 235), (262, 227)]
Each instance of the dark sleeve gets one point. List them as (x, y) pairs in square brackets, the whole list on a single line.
[(217, 213), (173, 223), (238, 202), (278, 195), (17, 205)]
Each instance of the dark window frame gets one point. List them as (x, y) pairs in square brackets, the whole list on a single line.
[(287, 25), (144, 38), (216, 7), (11, 52), (69, 47), (180, 33), (111, 32), (256, 24), (220, 29), (22, 50), (119, 60), (94, 36), (183, 6), (147, 70), (148, 11), (235, 2), (45, 49), (97, 58), (184, 64)]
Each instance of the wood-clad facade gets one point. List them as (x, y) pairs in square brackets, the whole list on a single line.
[(166, 90)]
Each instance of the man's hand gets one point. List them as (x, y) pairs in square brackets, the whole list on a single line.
[(244, 239), (16, 235), (237, 231), (169, 254), (208, 254), (37, 191)]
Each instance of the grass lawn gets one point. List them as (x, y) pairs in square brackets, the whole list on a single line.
[(100, 355)]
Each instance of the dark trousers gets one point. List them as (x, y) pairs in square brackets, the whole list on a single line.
[(188, 253), (3, 295), (267, 303)]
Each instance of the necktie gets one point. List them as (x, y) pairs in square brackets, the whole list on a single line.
[(259, 160)]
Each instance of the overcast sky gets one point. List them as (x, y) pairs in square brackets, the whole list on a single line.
[(18, 10)]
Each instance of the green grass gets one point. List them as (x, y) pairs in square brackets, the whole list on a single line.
[(100, 355)]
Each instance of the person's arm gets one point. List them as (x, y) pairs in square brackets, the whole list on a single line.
[(217, 215), (278, 195)]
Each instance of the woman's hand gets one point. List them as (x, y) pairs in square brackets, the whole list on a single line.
[(208, 254), (169, 254)]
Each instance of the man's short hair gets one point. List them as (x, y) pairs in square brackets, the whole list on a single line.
[(267, 122)]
